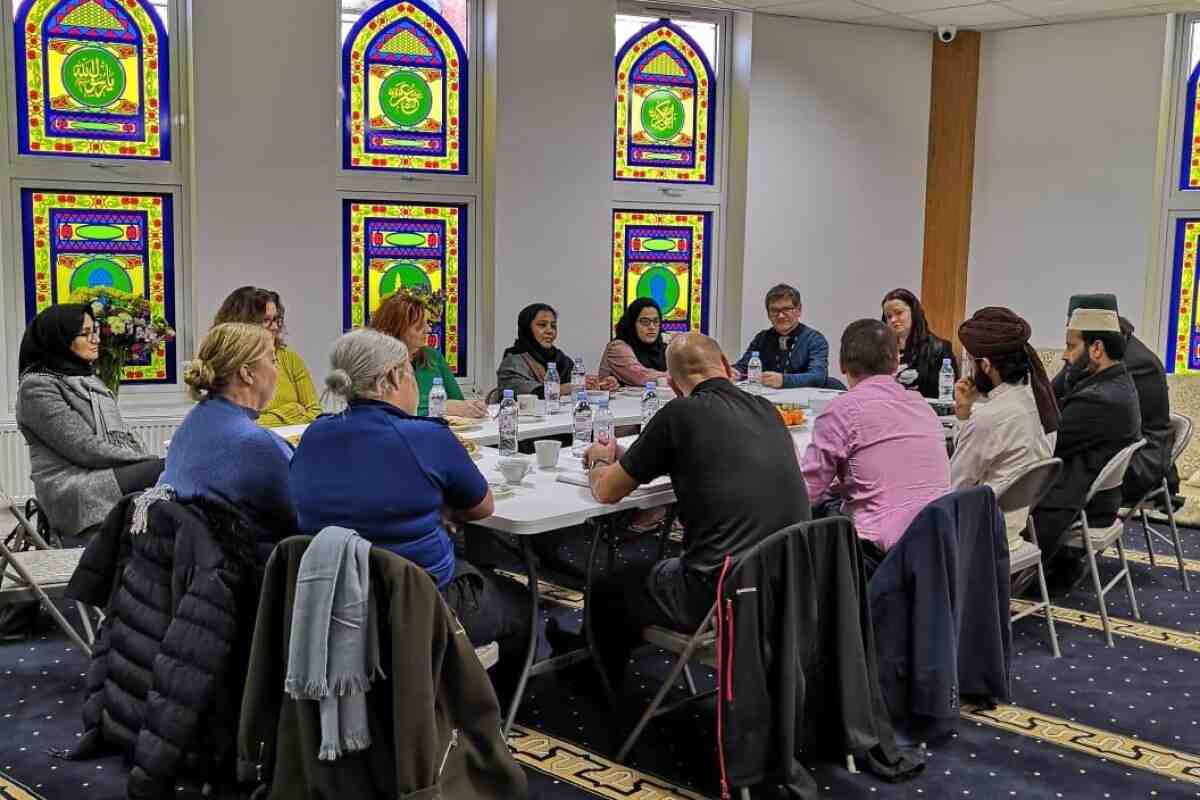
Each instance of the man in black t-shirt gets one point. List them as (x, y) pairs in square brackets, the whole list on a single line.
[(736, 478)]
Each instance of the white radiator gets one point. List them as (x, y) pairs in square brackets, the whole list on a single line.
[(14, 455)]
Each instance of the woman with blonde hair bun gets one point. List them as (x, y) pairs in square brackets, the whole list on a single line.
[(380, 470), (219, 452)]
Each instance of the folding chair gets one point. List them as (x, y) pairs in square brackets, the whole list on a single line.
[(1026, 491), (1093, 542), (1182, 427), (40, 572), (700, 646)]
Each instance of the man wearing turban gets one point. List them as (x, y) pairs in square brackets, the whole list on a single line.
[(1099, 417), (1007, 409)]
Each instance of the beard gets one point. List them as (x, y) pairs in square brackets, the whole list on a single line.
[(983, 383), (1079, 368)]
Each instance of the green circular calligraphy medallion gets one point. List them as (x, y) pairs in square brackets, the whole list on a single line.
[(93, 77), (662, 115), (661, 285), (405, 98)]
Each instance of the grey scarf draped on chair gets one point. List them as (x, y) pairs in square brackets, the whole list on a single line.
[(333, 653)]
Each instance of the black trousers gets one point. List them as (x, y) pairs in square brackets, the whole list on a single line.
[(1054, 526), (138, 476), (492, 609), (624, 602)]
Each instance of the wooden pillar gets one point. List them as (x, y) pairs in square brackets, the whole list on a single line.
[(953, 102)]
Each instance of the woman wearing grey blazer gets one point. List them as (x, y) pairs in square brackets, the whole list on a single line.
[(82, 456)]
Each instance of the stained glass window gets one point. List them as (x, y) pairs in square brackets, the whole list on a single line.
[(388, 245), (663, 255), (1183, 340), (665, 107), (404, 74), (92, 79), (83, 240)]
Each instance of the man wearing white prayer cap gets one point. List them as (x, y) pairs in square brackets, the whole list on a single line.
[(1099, 416)]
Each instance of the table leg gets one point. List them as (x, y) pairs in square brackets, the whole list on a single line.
[(602, 531), (535, 619)]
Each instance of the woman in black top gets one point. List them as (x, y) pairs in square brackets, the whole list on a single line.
[(921, 351)]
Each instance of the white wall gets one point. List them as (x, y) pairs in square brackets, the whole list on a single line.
[(553, 167), (1065, 168), (265, 91), (839, 123)]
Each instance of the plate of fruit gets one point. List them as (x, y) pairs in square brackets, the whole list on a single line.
[(793, 416)]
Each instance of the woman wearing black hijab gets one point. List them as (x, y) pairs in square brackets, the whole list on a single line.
[(638, 355), (82, 456), (921, 350), (524, 366)]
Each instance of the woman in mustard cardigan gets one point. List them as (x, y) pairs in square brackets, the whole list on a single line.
[(295, 401)]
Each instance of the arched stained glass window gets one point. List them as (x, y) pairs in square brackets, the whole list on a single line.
[(663, 255), (75, 240), (665, 110), (404, 91), (92, 79), (389, 245)]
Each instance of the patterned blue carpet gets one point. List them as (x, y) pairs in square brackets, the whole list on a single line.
[(1097, 723)]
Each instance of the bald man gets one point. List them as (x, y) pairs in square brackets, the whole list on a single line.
[(736, 479)]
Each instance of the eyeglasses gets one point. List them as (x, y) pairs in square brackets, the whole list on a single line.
[(649, 322), (92, 335), (781, 311)]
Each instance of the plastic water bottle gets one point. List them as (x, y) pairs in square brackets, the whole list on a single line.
[(946, 382), (754, 373), (507, 422), (583, 424), (437, 399), (603, 424), (649, 402), (552, 388)]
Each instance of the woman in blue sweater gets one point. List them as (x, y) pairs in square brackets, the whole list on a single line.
[(220, 452), (395, 478)]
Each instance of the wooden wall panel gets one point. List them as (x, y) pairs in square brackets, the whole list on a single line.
[(953, 103)]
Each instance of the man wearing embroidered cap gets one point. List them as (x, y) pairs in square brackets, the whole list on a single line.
[(1153, 462), (1099, 416)]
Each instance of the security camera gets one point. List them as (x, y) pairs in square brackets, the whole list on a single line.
[(946, 33)]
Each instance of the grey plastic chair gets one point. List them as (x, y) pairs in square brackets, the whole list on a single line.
[(1097, 541), (1182, 427), (1026, 491)]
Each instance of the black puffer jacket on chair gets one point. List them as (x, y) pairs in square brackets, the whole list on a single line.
[(167, 669)]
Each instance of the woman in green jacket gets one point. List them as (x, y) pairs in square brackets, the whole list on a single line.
[(295, 401), (405, 316)]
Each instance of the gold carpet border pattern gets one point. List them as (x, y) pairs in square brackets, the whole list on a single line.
[(1165, 560), (11, 790), (1168, 637), (1136, 753), (550, 592), (572, 764)]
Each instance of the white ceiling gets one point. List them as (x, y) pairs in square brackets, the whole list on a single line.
[(929, 14)]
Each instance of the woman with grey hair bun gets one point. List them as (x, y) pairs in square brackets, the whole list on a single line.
[(380, 470)]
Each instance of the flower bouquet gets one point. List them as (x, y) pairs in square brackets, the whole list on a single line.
[(128, 331)]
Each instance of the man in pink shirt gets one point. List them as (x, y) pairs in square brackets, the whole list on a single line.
[(878, 448)]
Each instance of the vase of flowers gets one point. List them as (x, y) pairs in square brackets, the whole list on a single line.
[(128, 330)]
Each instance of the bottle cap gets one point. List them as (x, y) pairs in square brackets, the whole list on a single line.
[(754, 354), (437, 381), (651, 385), (508, 394)]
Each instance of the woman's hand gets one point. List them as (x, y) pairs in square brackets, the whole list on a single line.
[(596, 383), (472, 409)]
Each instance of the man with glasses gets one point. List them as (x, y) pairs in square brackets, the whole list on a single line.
[(793, 355)]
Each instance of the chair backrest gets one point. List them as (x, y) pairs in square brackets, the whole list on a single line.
[(1181, 426), (1114, 471), (797, 530), (1028, 488)]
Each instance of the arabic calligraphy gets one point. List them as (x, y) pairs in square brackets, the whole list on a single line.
[(93, 77), (662, 115), (405, 97)]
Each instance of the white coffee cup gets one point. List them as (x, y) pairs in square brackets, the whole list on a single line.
[(547, 452), (527, 403), (514, 469)]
